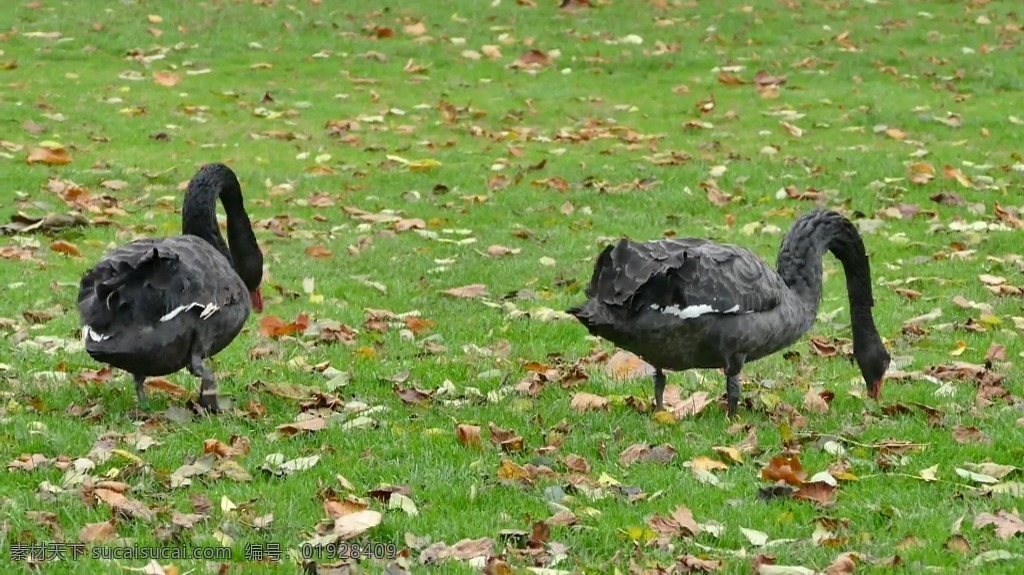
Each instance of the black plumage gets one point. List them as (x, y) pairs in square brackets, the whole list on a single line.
[(692, 303), (155, 306)]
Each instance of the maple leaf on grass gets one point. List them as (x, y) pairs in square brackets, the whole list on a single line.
[(469, 435), (274, 327), (785, 468), (623, 365), (1007, 523), (679, 524)]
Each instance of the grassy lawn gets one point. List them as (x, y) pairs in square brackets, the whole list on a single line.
[(391, 152)]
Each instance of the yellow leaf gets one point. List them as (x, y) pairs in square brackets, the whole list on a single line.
[(961, 347), (706, 463), (415, 165), (664, 417), (730, 453), (638, 533), (920, 173)]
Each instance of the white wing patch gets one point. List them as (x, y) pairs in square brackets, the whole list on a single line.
[(695, 311), (208, 310), (89, 333)]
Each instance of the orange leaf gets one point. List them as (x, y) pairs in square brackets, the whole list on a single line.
[(66, 248), (318, 252), (162, 384), (168, 79), (782, 468), (273, 326), (48, 156), (469, 435), (417, 325)]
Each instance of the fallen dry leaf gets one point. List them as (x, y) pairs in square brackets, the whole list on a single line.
[(785, 468), (469, 435), (582, 401), (468, 291), (1007, 523), (48, 156)]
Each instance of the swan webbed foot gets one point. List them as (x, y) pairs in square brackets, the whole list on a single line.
[(208, 385), (659, 390), (140, 391)]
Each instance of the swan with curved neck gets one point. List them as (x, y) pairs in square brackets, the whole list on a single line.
[(154, 306), (691, 303)]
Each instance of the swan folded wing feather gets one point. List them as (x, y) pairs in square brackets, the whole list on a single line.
[(148, 282), (688, 277)]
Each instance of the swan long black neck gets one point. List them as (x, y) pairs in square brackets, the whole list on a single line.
[(199, 218), (800, 265)]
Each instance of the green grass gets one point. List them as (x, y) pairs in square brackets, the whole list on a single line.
[(599, 118)]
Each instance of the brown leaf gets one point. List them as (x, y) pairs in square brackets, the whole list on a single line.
[(715, 195), (469, 435), (64, 247), (969, 434), (354, 524), (319, 252), (955, 174), (48, 156), (996, 352), (727, 79), (406, 224), (127, 507), (168, 79), (1007, 523), (1008, 217), (642, 453), (842, 565), (691, 406), (783, 468), (624, 365), (577, 464), (680, 524), (310, 425), (417, 29), (274, 327), (161, 384), (97, 532), (468, 291), (582, 401), (822, 347), (498, 251), (693, 564), (958, 544), (532, 59), (412, 395), (947, 199), (814, 402), (818, 491)]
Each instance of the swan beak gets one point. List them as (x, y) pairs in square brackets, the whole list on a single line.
[(875, 390), (257, 300)]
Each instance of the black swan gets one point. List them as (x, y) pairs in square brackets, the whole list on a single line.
[(154, 306), (691, 303)]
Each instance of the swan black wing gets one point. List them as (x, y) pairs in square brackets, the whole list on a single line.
[(140, 283), (685, 277)]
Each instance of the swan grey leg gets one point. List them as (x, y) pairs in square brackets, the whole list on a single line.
[(732, 394), (733, 384), (659, 390), (140, 389), (208, 387)]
